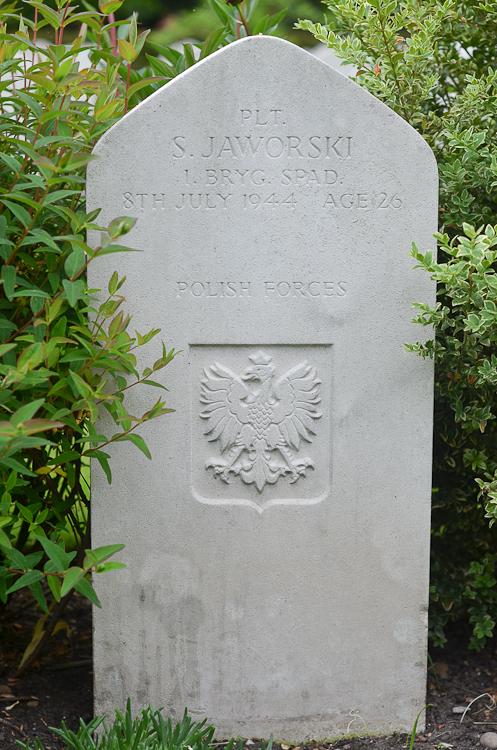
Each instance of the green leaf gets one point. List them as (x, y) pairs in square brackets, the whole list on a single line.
[(156, 385), (18, 559), (25, 512), (212, 42), (63, 70), (53, 18), (120, 226), (76, 355), (71, 578), (74, 263), (100, 554), (26, 412), (5, 348), (33, 426), (221, 10), (55, 554), (51, 114), (11, 481), (126, 50), (26, 580), (31, 293), (4, 540), (135, 87), (62, 458), (12, 163), (161, 68), (189, 55), (81, 386), (110, 6), (114, 280), (9, 281), (37, 592), (84, 587), (19, 212), (7, 325), (107, 110), (260, 28), (31, 102), (106, 567), (74, 290), (12, 463), (116, 249), (102, 459), (138, 441), (77, 160), (271, 23), (55, 586)]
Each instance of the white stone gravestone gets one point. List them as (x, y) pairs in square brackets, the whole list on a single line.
[(277, 544)]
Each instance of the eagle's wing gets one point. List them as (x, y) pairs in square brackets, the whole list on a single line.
[(298, 397), (224, 410)]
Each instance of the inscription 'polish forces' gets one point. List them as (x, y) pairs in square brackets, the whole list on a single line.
[(269, 289), (273, 146), (260, 429)]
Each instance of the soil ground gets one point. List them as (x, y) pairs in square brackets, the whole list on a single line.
[(59, 689)]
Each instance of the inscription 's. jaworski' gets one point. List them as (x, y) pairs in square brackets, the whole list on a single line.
[(260, 421), (272, 147)]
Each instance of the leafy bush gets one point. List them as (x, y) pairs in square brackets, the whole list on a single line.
[(56, 371), (434, 63)]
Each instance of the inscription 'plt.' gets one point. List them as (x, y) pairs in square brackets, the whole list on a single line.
[(260, 428)]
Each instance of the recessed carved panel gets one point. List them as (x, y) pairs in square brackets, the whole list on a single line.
[(261, 424)]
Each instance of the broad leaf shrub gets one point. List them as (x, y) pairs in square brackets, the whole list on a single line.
[(435, 64)]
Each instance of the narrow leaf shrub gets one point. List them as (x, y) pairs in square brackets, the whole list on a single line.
[(57, 370), (434, 63), (147, 731)]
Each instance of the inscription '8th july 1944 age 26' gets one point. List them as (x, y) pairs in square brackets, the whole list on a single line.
[(263, 168), (260, 428)]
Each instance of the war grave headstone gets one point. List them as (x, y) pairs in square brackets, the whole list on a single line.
[(277, 544)]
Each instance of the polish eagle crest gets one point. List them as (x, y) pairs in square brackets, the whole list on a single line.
[(260, 420)]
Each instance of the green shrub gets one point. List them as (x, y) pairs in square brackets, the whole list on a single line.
[(434, 63), (204, 18), (56, 371)]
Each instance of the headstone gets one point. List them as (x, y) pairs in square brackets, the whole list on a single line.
[(277, 544)]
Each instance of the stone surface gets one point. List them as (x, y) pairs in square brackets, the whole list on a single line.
[(277, 545), (489, 739)]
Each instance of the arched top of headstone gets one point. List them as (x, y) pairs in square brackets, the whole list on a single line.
[(253, 68)]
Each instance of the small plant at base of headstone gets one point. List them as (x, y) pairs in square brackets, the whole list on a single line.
[(147, 731), (412, 739)]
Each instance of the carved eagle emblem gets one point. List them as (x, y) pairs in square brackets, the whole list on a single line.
[(259, 420)]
